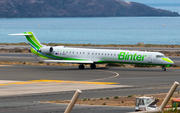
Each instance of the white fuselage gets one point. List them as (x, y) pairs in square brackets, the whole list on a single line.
[(107, 55)]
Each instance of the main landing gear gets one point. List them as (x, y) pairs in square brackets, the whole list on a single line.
[(81, 66), (93, 66), (164, 68)]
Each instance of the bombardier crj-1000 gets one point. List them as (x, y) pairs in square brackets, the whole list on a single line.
[(61, 54)]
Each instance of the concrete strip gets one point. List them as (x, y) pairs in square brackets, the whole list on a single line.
[(33, 88)]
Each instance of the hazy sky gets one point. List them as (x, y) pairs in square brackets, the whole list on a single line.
[(155, 1)]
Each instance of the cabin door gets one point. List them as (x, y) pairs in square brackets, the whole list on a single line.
[(149, 58)]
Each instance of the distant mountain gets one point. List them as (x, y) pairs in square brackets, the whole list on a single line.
[(77, 8)]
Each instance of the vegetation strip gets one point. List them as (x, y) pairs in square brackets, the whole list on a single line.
[(118, 100)]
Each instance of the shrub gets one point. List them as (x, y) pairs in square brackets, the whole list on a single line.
[(116, 97), (130, 95), (18, 50)]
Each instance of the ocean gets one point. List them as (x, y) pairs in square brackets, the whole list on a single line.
[(105, 30)]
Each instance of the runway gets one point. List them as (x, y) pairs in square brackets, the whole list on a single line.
[(21, 92)]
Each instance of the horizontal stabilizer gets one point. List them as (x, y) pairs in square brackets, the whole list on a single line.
[(68, 61), (21, 34)]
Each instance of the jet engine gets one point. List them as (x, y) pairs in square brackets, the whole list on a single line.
[(46, 49)]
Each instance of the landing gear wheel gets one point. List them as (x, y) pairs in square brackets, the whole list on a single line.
[(93, 66), (164, 68), (81, 66)]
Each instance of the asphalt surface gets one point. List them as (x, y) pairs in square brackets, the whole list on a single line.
[(141, 80)]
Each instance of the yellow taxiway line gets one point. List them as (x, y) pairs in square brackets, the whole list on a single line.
[(58, 81)]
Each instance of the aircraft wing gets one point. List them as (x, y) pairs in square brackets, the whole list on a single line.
[(68, 61)]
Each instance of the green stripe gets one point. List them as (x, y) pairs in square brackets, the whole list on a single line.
[(34, 39), (65, 58), (128, 62), (34, 44), (167, 60), (35, 52)]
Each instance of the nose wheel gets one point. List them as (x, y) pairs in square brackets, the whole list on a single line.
[(164, 68), (81, 66)]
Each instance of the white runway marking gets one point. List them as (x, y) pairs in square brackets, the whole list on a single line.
[(117, 74)]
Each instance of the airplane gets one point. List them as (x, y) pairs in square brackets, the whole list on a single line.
[(61, 54)]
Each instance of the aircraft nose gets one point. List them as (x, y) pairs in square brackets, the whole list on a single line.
[(171, 61), (168, 60)]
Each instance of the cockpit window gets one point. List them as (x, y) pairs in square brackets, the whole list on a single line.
[(160, 56)]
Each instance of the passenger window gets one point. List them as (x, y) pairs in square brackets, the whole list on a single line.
[(69, 51), (66, 51), (98, 53), (83, 52), (92, 53), (105, 54), (114, 54), (73, 52), (111, 54), (77, 52), (95, 53)]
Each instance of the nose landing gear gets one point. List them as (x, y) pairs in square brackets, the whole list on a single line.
[(164, 68)]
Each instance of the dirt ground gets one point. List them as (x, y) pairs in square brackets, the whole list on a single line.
[(119, 100)]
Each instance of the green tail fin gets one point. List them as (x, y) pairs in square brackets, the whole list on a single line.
[(33, 41)]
